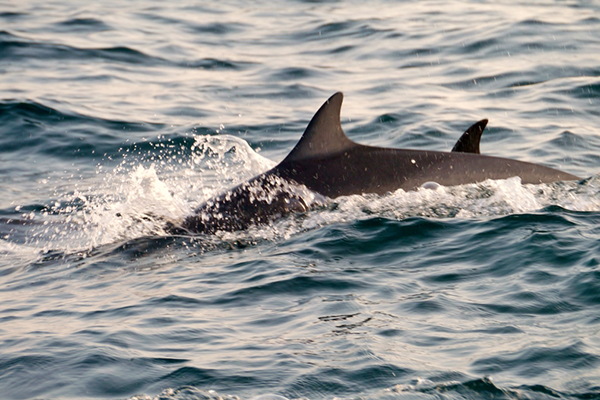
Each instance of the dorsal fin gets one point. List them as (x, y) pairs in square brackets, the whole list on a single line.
[(324, 134), (469, 141)]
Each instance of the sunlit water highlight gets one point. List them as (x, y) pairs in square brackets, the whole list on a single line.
[(117, 119)]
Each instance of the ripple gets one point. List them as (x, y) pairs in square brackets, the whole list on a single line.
[(82, 25), (114, 123), (537, 360)]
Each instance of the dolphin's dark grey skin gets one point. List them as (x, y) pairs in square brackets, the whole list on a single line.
[(327, 162)]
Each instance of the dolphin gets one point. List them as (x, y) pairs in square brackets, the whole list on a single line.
[(326, 162)]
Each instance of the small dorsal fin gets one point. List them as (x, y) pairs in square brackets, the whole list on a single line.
[(469, 141), (324, 134)]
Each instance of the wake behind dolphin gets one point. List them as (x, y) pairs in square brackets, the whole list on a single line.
[(325, 161)]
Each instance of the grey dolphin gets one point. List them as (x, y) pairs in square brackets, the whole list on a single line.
[(327, 162)]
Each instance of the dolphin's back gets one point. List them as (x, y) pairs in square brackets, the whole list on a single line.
[(364, 169), (326, 161)]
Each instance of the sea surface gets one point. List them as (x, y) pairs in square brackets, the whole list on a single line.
[(118, 118)]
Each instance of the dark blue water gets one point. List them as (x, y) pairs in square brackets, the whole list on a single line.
[(117, 118)]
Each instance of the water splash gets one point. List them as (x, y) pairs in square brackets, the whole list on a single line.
[(490, 198), (155, 183), (164, 181)]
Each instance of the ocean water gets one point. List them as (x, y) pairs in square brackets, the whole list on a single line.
[(117, 118)]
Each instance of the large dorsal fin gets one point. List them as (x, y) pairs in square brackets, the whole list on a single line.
[(469, 141), (324, 134)]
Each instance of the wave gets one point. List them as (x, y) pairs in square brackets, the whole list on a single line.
[(482, 388), (162, 181), (16, 49), (32, 127)]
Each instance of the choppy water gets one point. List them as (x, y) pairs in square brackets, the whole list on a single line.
[(117, 117)]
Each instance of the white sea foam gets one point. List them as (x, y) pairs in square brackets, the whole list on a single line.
[(142, 194), (487, 199)]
